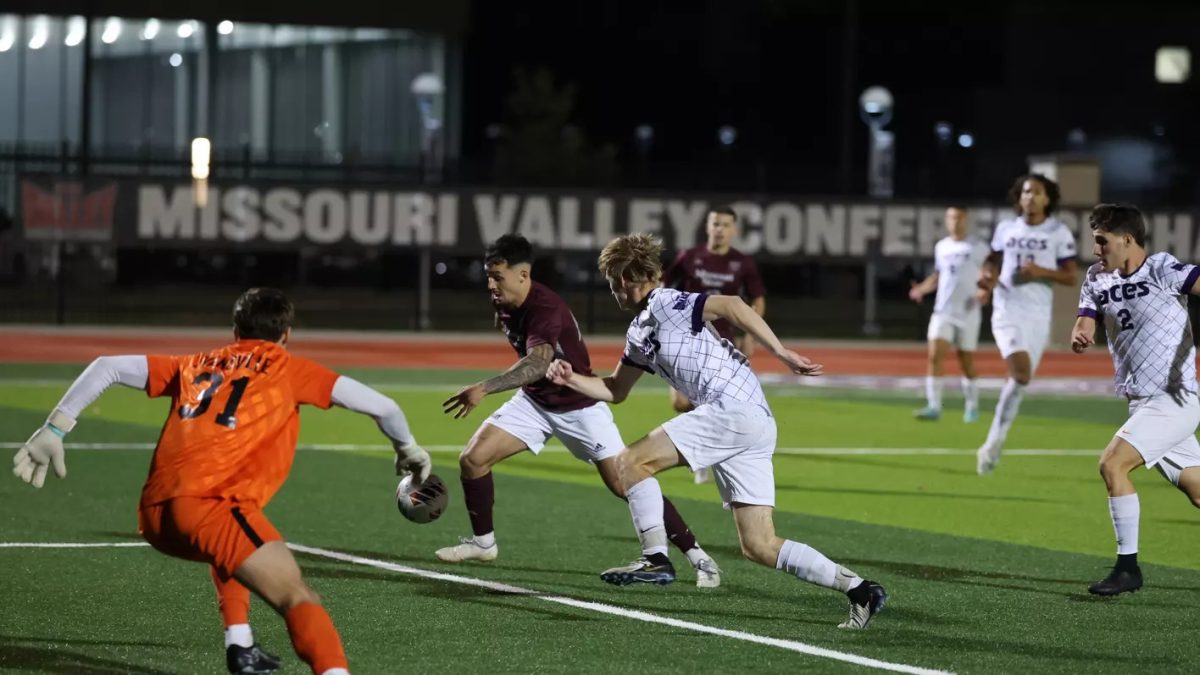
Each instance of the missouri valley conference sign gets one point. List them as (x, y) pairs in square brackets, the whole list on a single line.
[(278, 216)]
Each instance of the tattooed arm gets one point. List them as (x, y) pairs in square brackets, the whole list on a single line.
[(529, 369)]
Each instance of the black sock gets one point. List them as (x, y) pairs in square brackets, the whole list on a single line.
[(860, 594), (659, 559), (1127, 561)]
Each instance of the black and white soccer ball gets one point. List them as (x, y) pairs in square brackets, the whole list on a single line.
[(422, 503)]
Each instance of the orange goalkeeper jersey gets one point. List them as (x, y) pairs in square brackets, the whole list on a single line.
[(234, 420)]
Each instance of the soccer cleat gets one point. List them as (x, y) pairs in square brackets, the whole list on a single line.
[(643, 570), (468, 549), (971, 415), (1117, 582), (986, 458), (861, 615), (702, 475), (250, 660), (708, 575), (928, 414)]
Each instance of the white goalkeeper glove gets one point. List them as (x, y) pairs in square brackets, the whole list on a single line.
[(44, 449), (412, 458)]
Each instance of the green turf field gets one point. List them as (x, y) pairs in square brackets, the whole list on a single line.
[(985, 574)]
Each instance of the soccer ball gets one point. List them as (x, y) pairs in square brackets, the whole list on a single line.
[(421, 503)]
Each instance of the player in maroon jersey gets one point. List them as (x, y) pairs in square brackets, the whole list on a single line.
[(540, 328), (719, 269)]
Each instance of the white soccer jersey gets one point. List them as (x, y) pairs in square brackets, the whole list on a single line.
[(1146, 319), (957, 264), (1046, 245), (671, 339)]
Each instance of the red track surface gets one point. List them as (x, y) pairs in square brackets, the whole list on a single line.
[(50, 346)]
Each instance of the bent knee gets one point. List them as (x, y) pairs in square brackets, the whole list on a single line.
[(299, 595), (1022, 379), (473, 464), (760, 553)]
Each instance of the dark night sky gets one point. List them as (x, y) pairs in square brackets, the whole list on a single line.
[(1018, 75)]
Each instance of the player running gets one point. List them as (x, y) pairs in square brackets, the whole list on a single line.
[(956, 313), (226, 448), (717, 267), (1029, 253), (540, 327), (1153, 354), (731, 430)]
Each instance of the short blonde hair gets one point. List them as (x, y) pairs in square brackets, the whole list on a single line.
[(632, 257)]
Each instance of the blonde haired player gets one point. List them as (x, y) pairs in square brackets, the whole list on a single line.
[(731, 429), (1143, 302), (1029, 253), (956, 313)]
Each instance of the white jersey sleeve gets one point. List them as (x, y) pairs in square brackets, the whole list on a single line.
[(1087, 296), (1064, 245), (1178, 277), (998, 236)]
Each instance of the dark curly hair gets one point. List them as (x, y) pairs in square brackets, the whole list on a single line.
[(1051, 188)]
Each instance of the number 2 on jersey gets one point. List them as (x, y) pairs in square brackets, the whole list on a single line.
[(227, 417), (1126, 319)]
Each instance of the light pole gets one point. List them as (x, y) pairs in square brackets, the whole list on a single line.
[(428, 89), (875, 107)]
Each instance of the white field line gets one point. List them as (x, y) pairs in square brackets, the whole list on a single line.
[(602, 608), (373, 447), (613, 610)]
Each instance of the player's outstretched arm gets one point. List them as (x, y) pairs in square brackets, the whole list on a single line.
[(353, 395), (45, 448), (735, 310), (613, 389), (924, 287), (531, 368), (1083, 335)]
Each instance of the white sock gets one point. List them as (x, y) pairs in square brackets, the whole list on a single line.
[(239, 634), (695, 555), (970, 389), (336, 671), (646, 507), (1125, 511), (810, 565), (486, 540), (933, 391), (1006, 411)]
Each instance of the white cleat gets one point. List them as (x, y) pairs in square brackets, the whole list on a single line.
[(468, 549), (708, 575), (702, 475), (986, 458)]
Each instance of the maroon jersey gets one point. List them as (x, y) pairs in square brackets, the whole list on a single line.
[(544, 319), (698, 270)]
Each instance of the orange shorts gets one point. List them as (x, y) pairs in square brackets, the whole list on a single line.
[(213, 530)]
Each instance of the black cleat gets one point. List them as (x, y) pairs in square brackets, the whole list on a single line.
[(250, 660), (861, 614), (1118, 581), (643, 570)]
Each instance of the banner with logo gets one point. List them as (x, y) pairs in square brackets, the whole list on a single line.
[(264, 216)]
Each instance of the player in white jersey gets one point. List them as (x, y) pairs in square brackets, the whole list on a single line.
[(956, 313), (1029, 253), (731, 429), (1144, 305)]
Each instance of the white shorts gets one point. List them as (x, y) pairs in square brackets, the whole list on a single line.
[(737, 440), (1164, 432), (1024, 336), (589, 433), (963, 334)]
